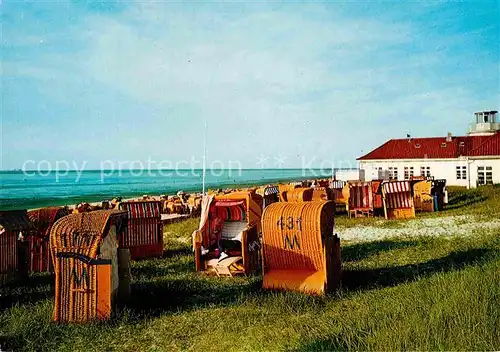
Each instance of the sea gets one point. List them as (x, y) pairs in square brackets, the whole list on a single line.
[(28, 190)]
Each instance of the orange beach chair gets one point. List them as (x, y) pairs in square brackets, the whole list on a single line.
[(84, 248), (300, 251)]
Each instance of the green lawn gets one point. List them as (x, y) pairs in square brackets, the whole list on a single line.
[(419, 293)]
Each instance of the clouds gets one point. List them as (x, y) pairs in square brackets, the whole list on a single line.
[(295, 79)]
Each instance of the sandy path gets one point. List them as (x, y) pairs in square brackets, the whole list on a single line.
[(460, 225)]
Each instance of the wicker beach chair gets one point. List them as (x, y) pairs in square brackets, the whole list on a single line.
[(229, 224), (422, 195), (14, 228), (269, 194), (42, 221), (341, 191), (323, 193), (360, 203), (144, 233), (378, 202), (300, 251), (301, 194), (398, 200), (84, 248), (284, 188), (439, 193)]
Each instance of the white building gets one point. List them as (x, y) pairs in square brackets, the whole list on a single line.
[(469, 161)]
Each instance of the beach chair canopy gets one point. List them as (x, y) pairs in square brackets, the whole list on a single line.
[(42, 219), (398, 195), (300, 251), (337, 184), (141, 209), (84, 248), (15, 220)]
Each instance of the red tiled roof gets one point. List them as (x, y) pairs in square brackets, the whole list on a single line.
[(436, 148), (489, 147)]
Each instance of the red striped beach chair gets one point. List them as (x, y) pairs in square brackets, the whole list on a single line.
[(398, 200), (42, 221), (144, 232), (229, 224), (360, 202)]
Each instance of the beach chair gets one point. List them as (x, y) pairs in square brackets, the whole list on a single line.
[(86, 264), (194, 203), (378, 202), (42, 221), (300, 194), (299, 249), (360, 203), (323, 193), (284, 188), (440, 194), (422, 195), (14, 228), (341, 193), (398, 200), (227, 240), (269, 194), (144, 233)]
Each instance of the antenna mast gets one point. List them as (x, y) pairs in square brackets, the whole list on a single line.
[(204, 158)]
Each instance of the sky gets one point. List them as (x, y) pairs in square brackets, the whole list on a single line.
[(279, 84)]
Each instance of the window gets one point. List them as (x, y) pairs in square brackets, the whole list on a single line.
[(425, 171), (417, 145), (484, 175), (461, 173), (408, 172), (443, 145), (393, 173)]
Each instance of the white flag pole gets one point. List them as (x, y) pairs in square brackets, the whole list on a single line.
[(204, 158)]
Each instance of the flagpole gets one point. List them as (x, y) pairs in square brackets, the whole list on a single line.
[(204, 159)]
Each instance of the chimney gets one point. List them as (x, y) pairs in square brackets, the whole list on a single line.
[(448, 137)]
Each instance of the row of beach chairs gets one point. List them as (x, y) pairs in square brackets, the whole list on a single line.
[(285, 230), (391, 199)]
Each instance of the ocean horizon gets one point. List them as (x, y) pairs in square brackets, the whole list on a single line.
[(28, 189)]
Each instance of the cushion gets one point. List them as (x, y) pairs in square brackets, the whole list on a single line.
[(232, 230)]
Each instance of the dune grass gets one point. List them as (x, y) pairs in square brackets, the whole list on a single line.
[(416, 293)]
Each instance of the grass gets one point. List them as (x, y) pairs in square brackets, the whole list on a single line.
[(400, 293)]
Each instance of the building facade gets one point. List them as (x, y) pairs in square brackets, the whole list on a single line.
[(468, 161)]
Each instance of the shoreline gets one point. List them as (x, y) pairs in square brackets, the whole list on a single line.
[(71, 202)]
